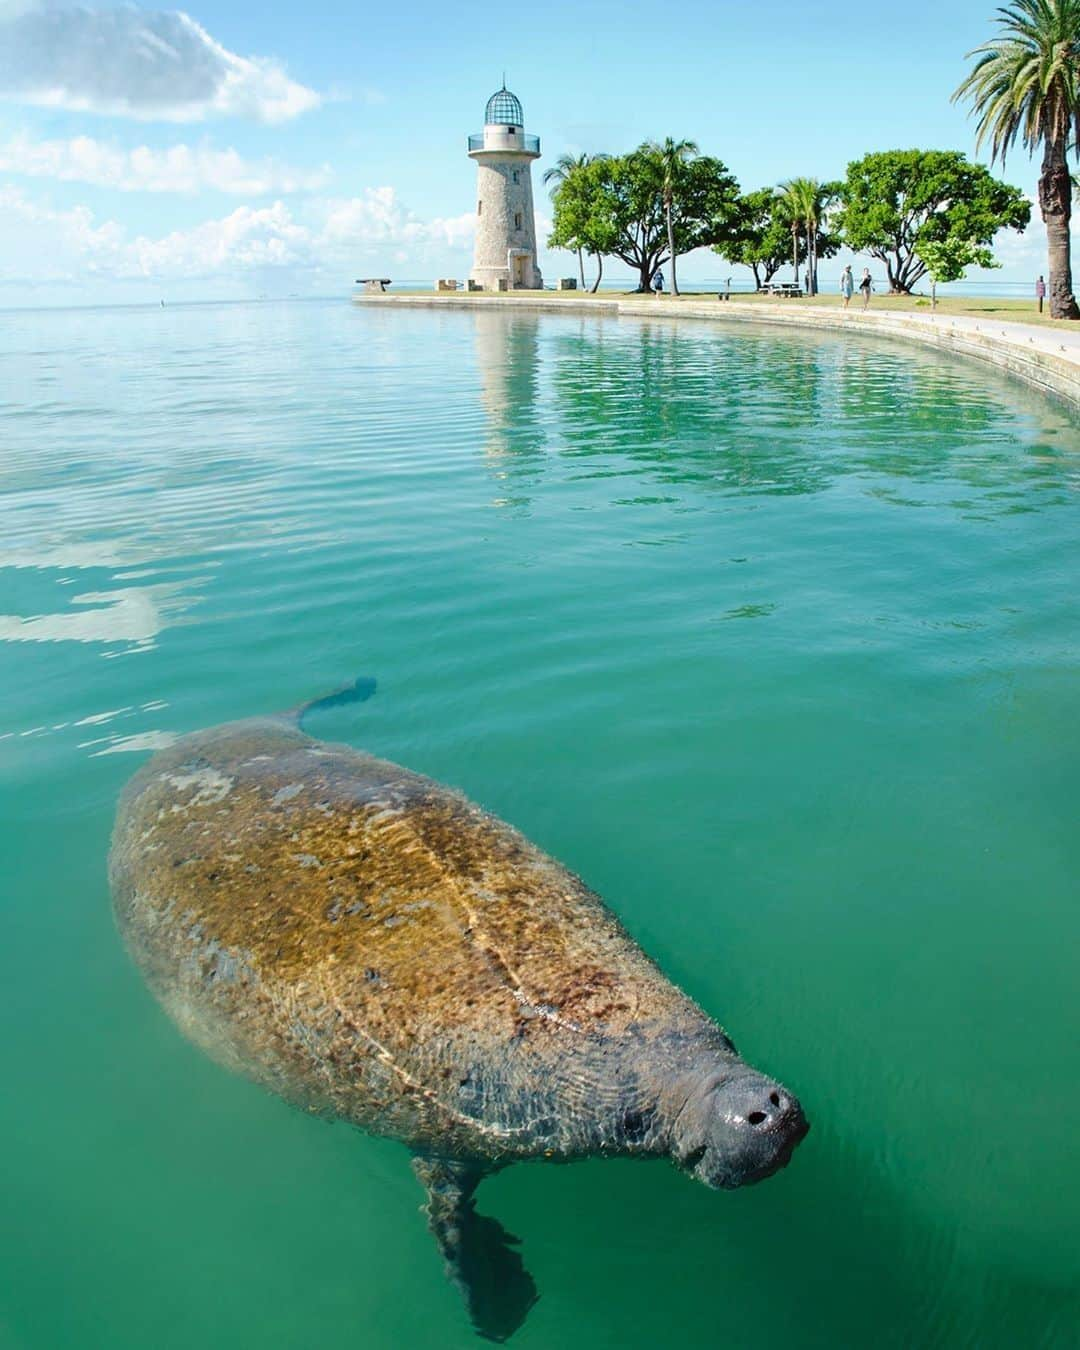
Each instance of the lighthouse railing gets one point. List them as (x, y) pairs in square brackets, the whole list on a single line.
[(530, 144)]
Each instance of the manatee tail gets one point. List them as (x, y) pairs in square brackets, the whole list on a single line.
[(358, 692), (479, 1253)]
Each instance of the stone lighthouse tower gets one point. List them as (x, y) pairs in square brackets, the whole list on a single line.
[(505, 256)]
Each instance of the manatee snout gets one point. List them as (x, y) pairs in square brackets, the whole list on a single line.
[(737, 1129)]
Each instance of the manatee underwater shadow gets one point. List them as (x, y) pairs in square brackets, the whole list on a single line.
[(374, 948)]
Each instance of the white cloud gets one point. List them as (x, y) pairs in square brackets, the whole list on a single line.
[(377, 217), (180, 168), (241, 241), (1027, 250), (146, 64), (39, 243)]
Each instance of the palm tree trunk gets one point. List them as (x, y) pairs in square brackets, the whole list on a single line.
[(671, 247), (813, 254), (1055, 202), (581, 265), (599, 272), (795, 251)]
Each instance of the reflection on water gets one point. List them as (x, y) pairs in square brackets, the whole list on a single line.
[(132, 616), (509, 375), (775, 640), (753, 412)]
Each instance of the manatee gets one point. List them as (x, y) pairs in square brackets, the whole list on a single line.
[(376, 949)]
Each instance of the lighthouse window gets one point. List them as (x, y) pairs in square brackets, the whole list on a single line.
[(517, 221), (515, 175), (479, 208)]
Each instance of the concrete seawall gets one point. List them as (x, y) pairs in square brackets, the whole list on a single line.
[(1048, 358)]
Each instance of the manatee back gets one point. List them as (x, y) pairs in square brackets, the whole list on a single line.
[(372, 945)]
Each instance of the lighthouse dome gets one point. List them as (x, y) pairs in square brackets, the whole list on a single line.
[(504, 109)]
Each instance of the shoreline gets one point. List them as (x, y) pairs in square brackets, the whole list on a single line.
[(1043, 357)]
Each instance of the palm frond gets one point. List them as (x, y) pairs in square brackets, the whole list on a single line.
[(1025, 84)]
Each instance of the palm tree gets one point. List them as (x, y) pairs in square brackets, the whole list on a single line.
[(559, 172), (1025, 86), (793, 200), (672, 155), (807, 203), (823, 198)]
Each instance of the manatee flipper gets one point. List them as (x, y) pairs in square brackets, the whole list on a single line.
[(359, 691), (479, 1253)]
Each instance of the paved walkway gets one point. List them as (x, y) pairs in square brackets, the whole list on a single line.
[(1053, 340)]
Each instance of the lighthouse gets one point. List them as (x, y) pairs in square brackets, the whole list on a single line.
[(505, 253)]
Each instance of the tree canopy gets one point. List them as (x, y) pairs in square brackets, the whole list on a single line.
[(672, 157), (763, 240), (584, 213), (616, 206), (761, 237), (559, 172), (895, 200), (948, 259)]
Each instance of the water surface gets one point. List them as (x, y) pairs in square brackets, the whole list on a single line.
[(774, 639)]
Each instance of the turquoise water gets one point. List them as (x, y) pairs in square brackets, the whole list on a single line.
[(776, 641)]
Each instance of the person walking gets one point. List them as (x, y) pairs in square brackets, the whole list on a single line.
[(1040, 292), (847, 285), (658, 282), (866, 286)]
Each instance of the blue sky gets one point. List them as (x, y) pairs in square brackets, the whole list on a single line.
[(238, 149)]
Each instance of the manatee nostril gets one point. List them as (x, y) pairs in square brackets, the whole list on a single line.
[(756, 1117)]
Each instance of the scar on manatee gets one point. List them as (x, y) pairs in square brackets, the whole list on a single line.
[(211, 787), (545, 1011)]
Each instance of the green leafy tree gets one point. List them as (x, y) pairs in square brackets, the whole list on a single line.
[(1025, 85), (672, 157), (761, 237), (765, 238), (560, 171), (948, 259), (616, 206), (585, 212), (893, 201)]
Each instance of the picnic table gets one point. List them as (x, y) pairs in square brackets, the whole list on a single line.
[(788, 289)]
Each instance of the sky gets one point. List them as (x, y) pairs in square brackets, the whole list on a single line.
[(234, 150)]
